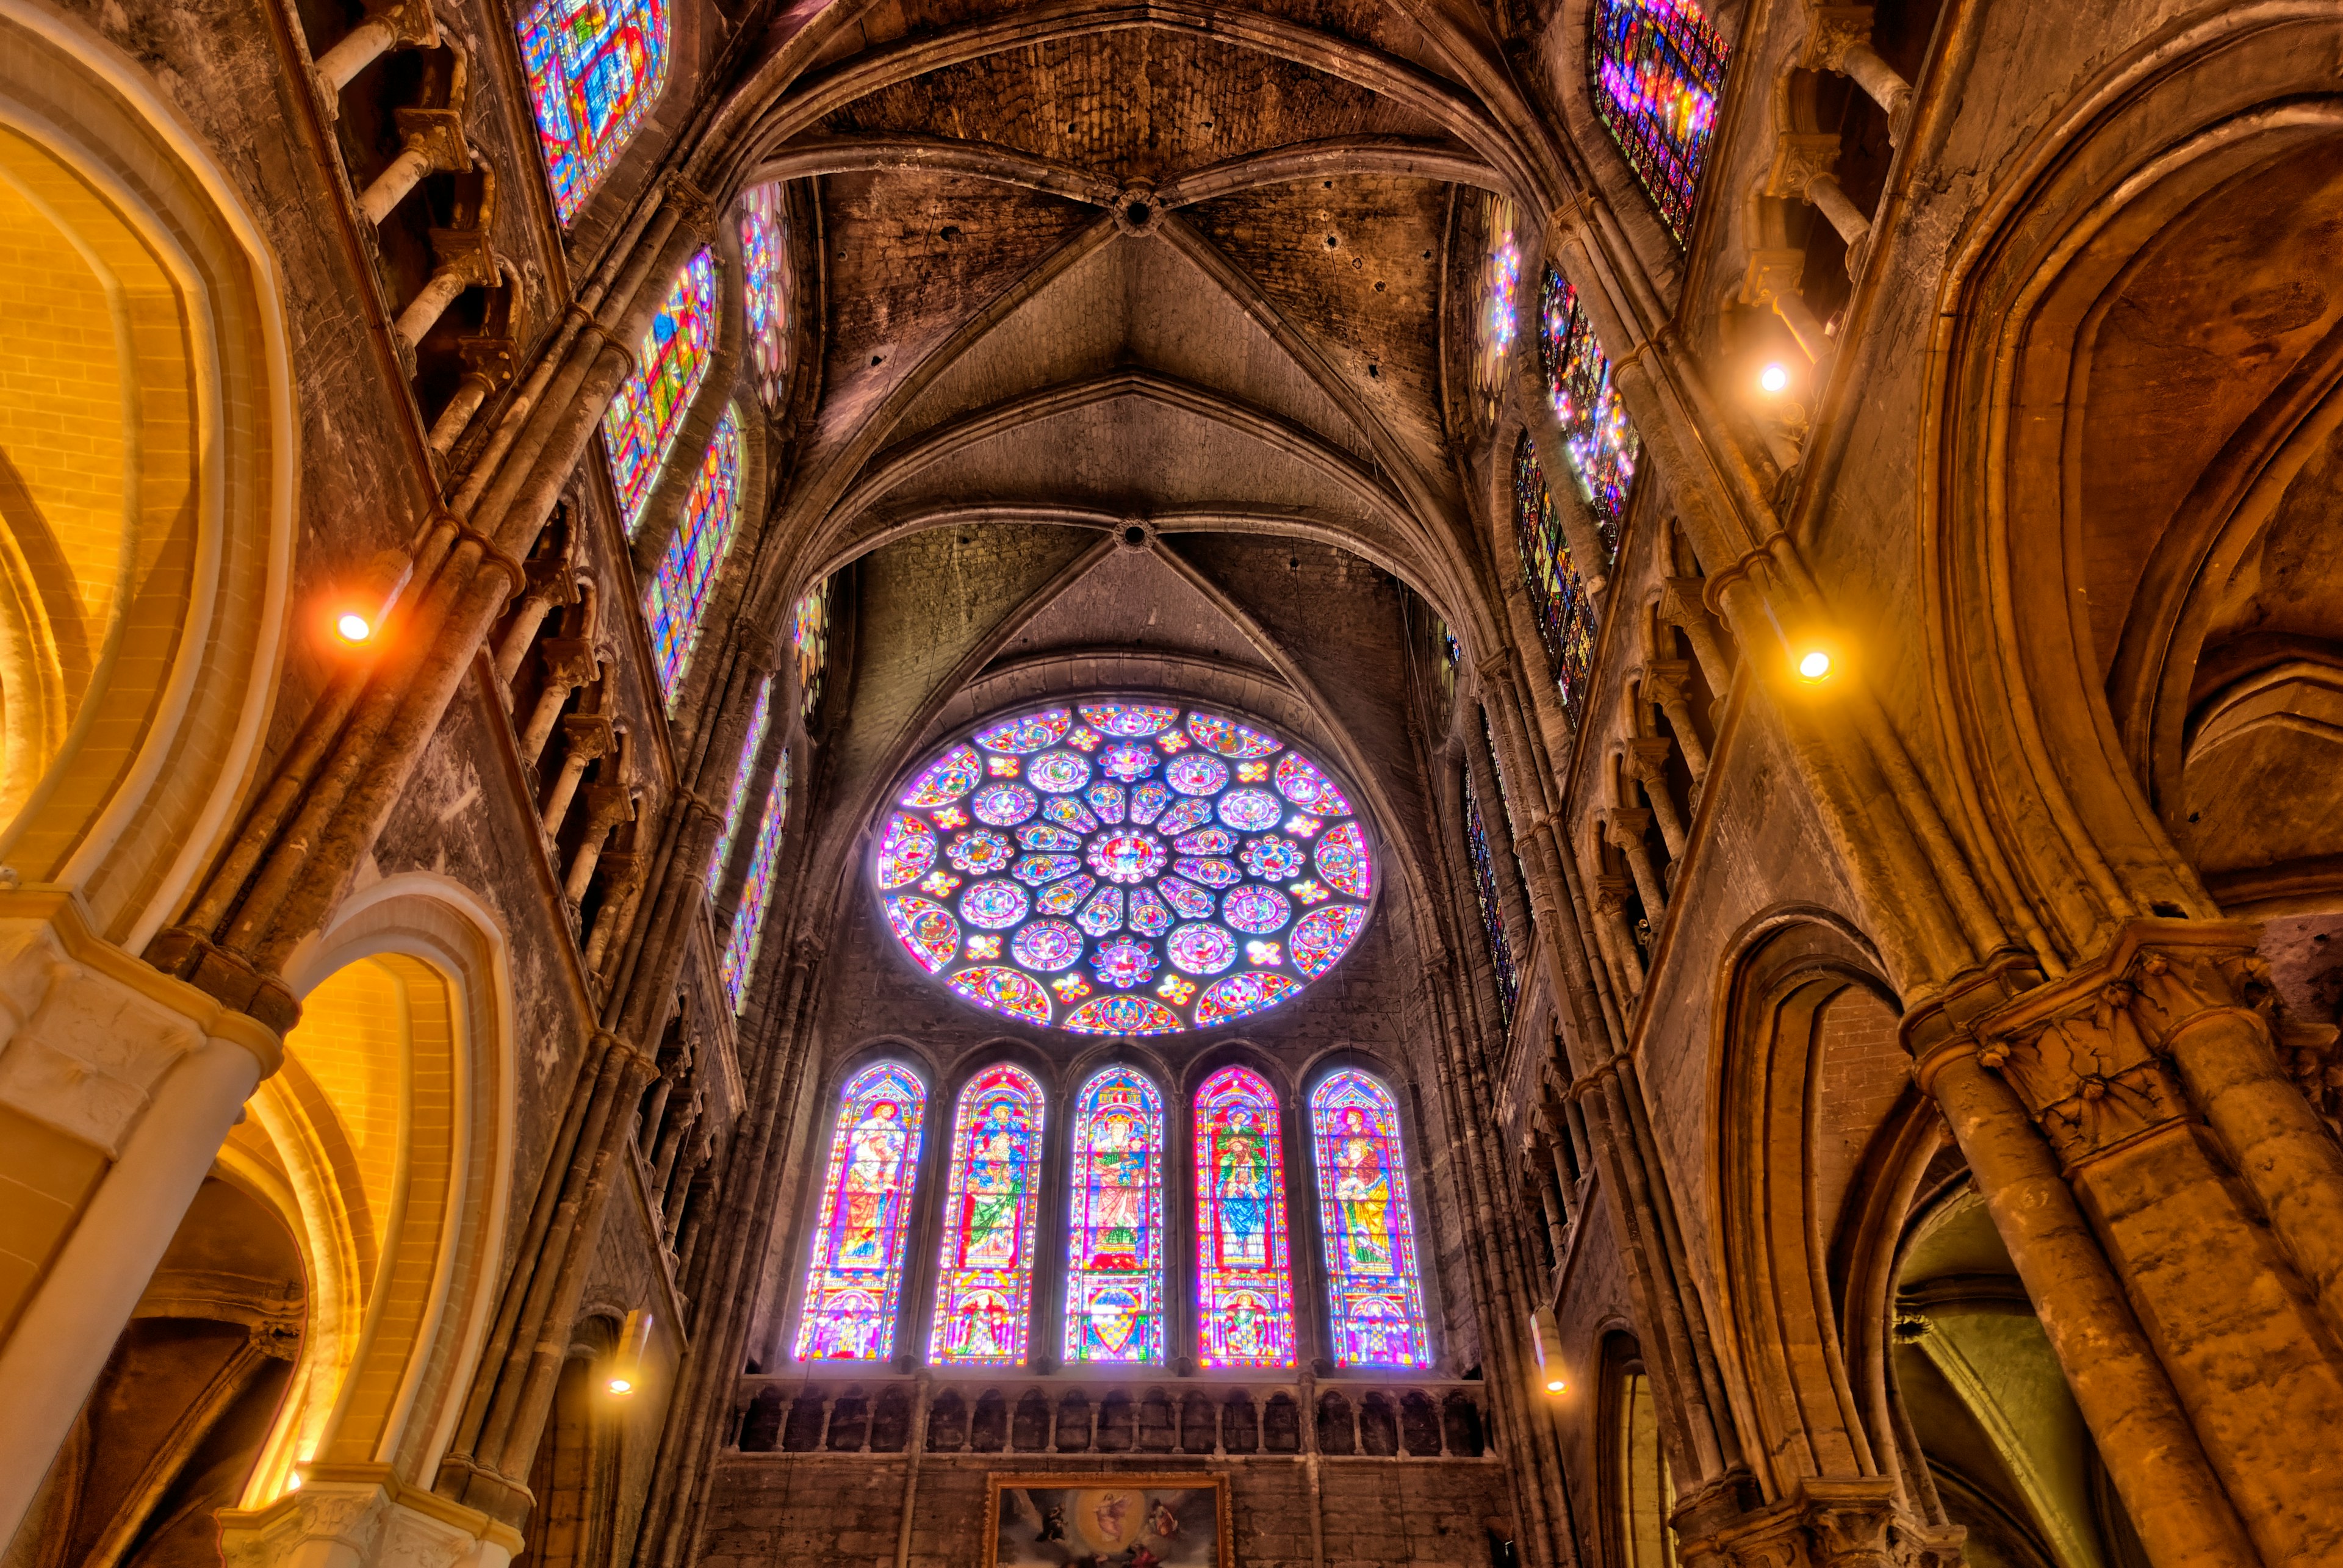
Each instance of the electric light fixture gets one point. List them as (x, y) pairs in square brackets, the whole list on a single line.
[(1775, 380)]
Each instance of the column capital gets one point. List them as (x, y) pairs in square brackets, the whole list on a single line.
[(1852, 1522), (1831, 32)]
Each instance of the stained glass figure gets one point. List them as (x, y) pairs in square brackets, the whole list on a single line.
[(810, 643), (1374, 1294), (1112, 867), (1114, 1245), (741, 770), (648, 412), (739, 959), (855, 1281), (1558, 595), (1493, 308), (1484, 893), (1658, 68), (1602, 446), (765, 290), (984, 1270), (1244, 1289), (678, 596), (595, 69)]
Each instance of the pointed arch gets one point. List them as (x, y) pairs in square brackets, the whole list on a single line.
[(595, 69), (645, 416), (993, 1199), (1244, 1284), (1658, 69), (1558, 595), (679, 590), (854, 1283), (1602, 446), (743, 770), (1374, 1286), (1114, 1244)]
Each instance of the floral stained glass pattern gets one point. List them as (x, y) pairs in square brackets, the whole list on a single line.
[(984, 1274), (1114, 867), (1494, 311), (595, 69), (810, 644), (1375, 1296), (742, 772), (765, 290), (644, 417), (1244, 1289), (855, 1283), (1558, 595), (1658, 69), (1114, 1248), (739, 959), (1485, 894), (1601, 444), (678, 596)]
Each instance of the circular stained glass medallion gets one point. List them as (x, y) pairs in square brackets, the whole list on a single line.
[(1168, 868)]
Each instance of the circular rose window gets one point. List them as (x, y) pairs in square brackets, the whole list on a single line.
[(1124, 867)]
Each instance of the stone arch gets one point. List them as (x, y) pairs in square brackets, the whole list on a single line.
[(1632, 1478)]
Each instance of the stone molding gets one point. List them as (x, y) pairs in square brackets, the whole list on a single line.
[(1855, 1522), (368, 1512)]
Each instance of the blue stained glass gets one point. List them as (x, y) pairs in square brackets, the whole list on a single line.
[(984, 1274), (1244, 1287), (648, 412), (1558, 595), (1596, 436), (1658, 69), (739, 961), (1496, 312), (678, 596), (595, 69), (765, 290), (855, 1283), (739, 796), (1115, 1246), (1374, 1294)]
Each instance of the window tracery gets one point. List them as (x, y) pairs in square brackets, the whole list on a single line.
[(1658, 68), (856, 1280), (739, 959), (1558, 595), (742, 772), (1497, 304), (645, 416), (595, 69), (678, 596), (1244, 1286), (764, 290), (984, 1286), (1374, 1291), (1601, 444), (1115, 1246)]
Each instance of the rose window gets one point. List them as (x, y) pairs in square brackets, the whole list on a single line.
[(1114, 867)]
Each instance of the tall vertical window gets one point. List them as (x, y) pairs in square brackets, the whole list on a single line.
[(679, 593), (810, 639), (765, 289), (1114, 1248), (1558, 597), (1494, 312), (1485, 894), (649, 410), (855, 1279), (1374, 1295), (1601, 444), (595, 69), (739, 959), (1244, 1291), (1658, 68), (984, 1273), (740, 778)]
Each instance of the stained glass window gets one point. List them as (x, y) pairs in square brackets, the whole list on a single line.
[(739, 959), (1658, 68), (1601, 444), (1499, 298), (855, 1283), (740, 777), (1123, 867), (1374, 1295), (1558, 597), (1115, 1246), (765, 288), (594, 69), (810, 640), (984, 1272), (643, 418), (1484, 893), (678, 596), (1244, 1291)]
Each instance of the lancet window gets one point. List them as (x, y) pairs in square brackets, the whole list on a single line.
[(742, 773), (1374, 1294), (1485, 894), (1558, 597), (595, 69), (1493, 313), (1658, 69), (739, 959), (765, 289), (856, 1279), (645, 416), (1114, 1248), (1601, 445), (810, 643), (1244, 1286), (984, 1285), (678, 598)]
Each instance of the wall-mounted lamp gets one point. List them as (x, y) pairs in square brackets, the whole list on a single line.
[(1814, 665), (1775, 380), (1545, 1345), (626, 1361), (360, 610)]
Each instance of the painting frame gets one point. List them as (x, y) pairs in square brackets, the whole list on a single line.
[(997, 1482)]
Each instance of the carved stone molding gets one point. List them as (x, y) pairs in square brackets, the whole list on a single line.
[(1850, 1523), (367, 1512)]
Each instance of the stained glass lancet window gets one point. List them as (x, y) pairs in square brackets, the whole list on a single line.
[(678, 596), (649, 410), (1244, 1291), (765, 289), (1658, 68), (984, 1270), (1558, 597), (855, 1282), (594, 69), (810, 640), (1494, 312), (741, 777), (1485, 894), (1374, 1294), (1115, 1246), (739, 959), (1601, 444)]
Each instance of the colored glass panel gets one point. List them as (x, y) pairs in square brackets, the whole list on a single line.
[(765, 289), (648, 412), (854, 1280), (1558, 595), (810, 643), (741, 770), (1494, 308), (1115, 1246), (739, 961), (984, 1270), (1658, 69), (595, 69), (1600, 443), (1374, 1294), (1485, 894), (1244, 1289), (678, 596)]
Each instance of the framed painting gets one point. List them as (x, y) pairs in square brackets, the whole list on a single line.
[(1176, 1519)]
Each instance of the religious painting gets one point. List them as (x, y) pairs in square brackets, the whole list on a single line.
[(1168, 1520)]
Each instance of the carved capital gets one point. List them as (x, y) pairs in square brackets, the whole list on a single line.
[(464, 253), (568, 660), (1647, 758), (1624, 827), (589, 736), (489, 358), (438, 134), (1611, 893), (1841, 1522), (1798, 158), (1772, 273), (693, 207), (1831, 33)]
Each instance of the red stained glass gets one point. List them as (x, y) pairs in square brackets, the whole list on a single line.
[(856, 1281), (984, 1285), (1244, 1289), (1374, 1295)]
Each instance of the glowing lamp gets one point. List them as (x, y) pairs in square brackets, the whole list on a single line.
[(351, 627), (626, 1361), (364, 604), (1545, 1345), (1773, 380), (1815, 664)]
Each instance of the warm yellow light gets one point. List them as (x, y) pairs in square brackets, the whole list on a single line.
[(1555, 1386), (1814, 664), (1774, 379), (352, 627), (620, 1385)]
